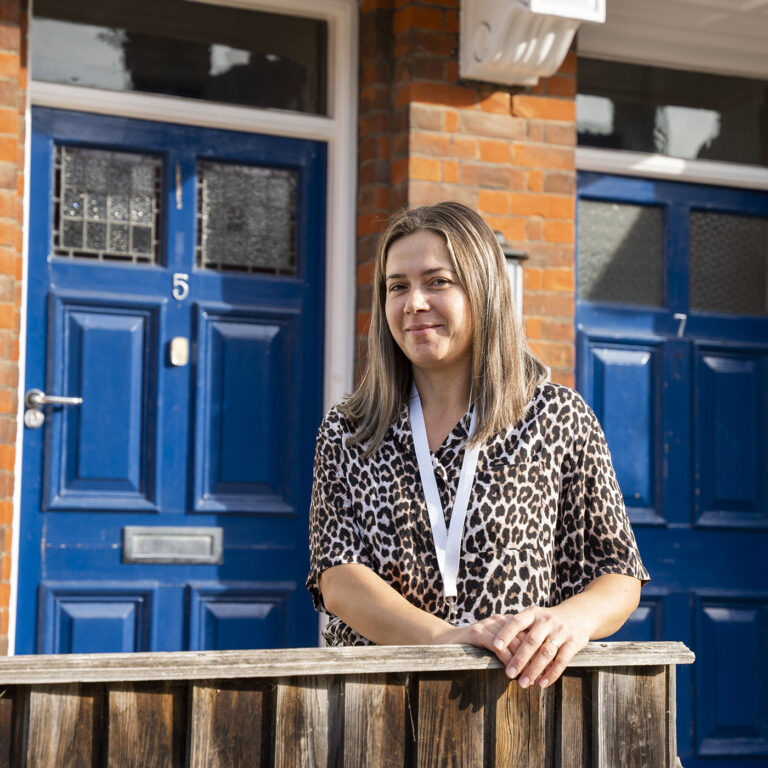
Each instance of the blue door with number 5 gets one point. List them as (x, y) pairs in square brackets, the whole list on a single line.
[(176, 287)]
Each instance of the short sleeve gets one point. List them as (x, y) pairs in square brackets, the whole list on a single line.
[(596, 537), (334, 536)]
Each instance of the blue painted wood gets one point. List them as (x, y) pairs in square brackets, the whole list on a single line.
[(702, 414), (102, 617), (136, 452), (239, 616), (730, 658)]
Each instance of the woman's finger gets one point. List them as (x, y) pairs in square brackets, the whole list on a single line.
[(542, 661), (512, 626), (556, 668)]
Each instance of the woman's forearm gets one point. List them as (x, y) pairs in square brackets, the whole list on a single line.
[(374, 609), (605, 604)]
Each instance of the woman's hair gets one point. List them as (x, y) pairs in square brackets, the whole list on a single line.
[(504, 372)]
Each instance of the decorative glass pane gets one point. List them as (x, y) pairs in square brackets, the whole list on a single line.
[(180, 48), (104, 201), (672, 112), (620, 253), (247, 218), (729, 261)]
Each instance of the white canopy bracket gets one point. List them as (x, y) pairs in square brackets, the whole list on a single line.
[(515, 42)]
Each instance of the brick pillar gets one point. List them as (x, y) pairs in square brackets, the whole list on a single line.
[(13, 84), (507, 152)]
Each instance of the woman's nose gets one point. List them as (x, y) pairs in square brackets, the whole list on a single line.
[(416, 300)]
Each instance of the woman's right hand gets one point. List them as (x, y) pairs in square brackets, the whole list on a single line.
[(482, 634)]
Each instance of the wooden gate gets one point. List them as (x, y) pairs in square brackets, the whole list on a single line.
[(378, 706)]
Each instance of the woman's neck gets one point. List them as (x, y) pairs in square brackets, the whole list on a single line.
[(444, 399)]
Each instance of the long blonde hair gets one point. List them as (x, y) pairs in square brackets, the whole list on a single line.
[(504, 372)]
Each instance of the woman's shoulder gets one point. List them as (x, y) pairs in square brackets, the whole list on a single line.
[(336, 423), (558, 400)]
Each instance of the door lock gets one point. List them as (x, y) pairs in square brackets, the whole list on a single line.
[(35, 399)]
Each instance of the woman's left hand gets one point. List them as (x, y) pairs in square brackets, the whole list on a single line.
[(552, 637)]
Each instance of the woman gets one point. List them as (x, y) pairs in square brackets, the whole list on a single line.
[(458, 496)]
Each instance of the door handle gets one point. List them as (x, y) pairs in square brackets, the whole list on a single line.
[(35, 399)]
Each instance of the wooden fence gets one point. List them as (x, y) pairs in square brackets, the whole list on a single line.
[(369, 707)]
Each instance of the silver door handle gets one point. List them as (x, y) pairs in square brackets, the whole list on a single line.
[(35, 398)]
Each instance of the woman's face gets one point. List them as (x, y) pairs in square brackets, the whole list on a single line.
[(427, 310)]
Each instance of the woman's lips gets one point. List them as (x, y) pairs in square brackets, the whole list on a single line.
[(420, 330)]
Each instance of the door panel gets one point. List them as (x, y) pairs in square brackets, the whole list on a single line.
[(731, 439), (623, 381), (101, 456), (147, 237), (681, 387), (731, 635), (96, 618), (241, 461)]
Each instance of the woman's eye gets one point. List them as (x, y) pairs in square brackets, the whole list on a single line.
[(394, 287), (440, 281)]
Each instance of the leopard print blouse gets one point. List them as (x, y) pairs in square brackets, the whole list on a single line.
[(545, 516)]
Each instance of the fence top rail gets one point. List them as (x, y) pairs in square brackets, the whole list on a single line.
[(212, 665)]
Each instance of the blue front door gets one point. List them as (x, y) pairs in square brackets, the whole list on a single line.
[(176, 285), (672, 328)]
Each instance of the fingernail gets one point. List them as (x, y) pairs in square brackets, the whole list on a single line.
[(511, 671), (524, 682), (498, 644), (544, 683)]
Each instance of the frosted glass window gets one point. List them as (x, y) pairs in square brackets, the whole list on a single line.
[(621, 254), (106, 205), (729, 261), (246, 218)]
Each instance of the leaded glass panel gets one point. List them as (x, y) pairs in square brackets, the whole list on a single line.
[(621, 253), (106, 205), (247, 218), (729, 261)]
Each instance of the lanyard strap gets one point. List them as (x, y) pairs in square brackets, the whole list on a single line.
[(447, 543)]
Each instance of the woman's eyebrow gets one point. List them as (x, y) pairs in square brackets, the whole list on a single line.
[(400, 275)]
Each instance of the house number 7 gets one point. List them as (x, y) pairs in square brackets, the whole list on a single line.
[(180, 286)]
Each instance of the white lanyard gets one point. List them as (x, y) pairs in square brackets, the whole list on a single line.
[(447, 543)]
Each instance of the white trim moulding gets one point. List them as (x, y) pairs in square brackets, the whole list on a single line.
[(627, 163), (147, 106)]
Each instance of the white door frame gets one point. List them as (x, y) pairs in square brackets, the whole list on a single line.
[(338, 130)]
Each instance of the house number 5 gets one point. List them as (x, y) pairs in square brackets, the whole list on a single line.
[(180, 286)]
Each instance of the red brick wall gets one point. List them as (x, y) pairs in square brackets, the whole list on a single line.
[(427, 136), (13, 84)]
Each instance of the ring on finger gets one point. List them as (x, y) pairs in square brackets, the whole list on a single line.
[(553, 642)]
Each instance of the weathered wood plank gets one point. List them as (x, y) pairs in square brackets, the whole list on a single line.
[(214, 665), (374, 721), (230, 724), (7, 705), (525, 724), (59, 727), (573, 727), (147, 726), (309, 723), (451, 719), (671, 715), (629, 718)]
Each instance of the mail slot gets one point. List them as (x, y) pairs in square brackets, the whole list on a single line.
[(195, 546)]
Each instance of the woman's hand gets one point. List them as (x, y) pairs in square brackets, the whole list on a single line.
[(483, 634), (537, 644)]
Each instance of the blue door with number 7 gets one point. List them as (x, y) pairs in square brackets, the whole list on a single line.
[(176, 290), (672, 317)]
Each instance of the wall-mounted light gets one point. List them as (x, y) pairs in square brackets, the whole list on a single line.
[(515, 259)]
